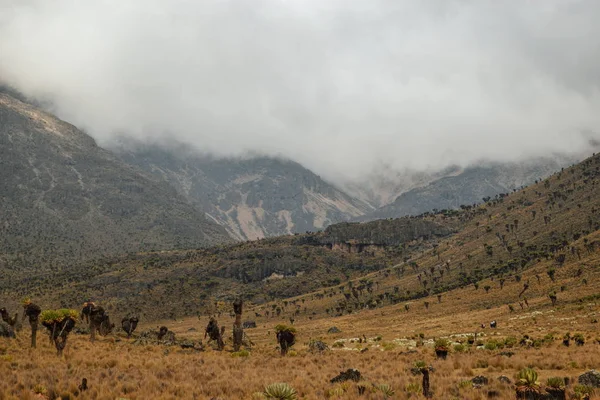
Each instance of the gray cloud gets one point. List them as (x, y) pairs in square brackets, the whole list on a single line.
[(342, 86)]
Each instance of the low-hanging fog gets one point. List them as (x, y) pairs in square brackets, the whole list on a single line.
[(341, 86)]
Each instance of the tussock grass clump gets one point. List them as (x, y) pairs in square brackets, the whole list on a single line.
[(241, 353)]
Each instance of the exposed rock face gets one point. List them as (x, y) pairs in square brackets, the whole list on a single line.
[(63, 197), (253, 198)]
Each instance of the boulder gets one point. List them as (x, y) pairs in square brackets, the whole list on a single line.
[(334, 329), (6, 330), (187, 344), (590, 378), (317, 345), (350, 374), (480, 380), (249, 324), (82, 330)]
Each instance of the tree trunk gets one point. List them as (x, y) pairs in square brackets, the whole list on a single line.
[(92, 331), (60, 343), (441, 354), (34, 326), (426, 391), (238, 331), (556, 394), (527, 395), (238, 334)]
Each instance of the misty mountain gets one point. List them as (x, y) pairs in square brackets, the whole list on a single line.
[(63, 198), (384, 185), (252, 197), (470, 185)]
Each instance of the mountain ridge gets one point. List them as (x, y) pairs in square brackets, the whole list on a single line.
[(252, 197), (65, 198)]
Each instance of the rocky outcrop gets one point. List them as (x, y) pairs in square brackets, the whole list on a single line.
[(251, 197)]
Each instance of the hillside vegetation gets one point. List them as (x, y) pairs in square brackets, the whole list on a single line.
[(486, 247), (63, 199), (177, 283), (541, 241), (526, 260)]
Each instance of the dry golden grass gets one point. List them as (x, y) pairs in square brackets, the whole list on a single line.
[(116, 368)]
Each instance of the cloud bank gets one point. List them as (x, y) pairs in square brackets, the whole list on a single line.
[(341, 86)]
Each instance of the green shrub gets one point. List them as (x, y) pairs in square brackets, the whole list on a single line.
[(491, 345), (527, 381), (284, 328), (413, 388), (337, 391), (459, 348), (556, 382), (388, 346), (280, 391), (583, 390), (510, 341), (385, 389), (442, 344), (579, 339), (50, 316), (465, 384)]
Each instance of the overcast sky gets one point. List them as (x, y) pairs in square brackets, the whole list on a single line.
[(341, 86)]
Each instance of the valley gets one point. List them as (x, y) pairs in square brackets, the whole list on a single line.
[(527, 260), (395, 289)]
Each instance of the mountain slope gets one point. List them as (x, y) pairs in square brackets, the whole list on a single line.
[(469, 186), (544, 232), (64, 198), (253, 198), (384, 185)]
